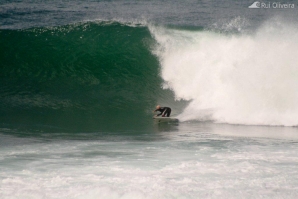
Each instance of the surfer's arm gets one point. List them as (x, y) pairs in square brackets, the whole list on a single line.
[(161, 111), (155, 110), (157, 114)]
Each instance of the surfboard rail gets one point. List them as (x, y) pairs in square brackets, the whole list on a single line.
[(165, 119)]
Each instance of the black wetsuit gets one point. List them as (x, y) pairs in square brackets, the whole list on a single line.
[(164, 111)]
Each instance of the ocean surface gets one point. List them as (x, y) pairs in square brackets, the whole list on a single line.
[(79, 81)]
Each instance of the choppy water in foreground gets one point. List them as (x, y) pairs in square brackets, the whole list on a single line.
[(189, 160)]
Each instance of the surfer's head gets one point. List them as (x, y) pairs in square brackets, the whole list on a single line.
[(157, 107)]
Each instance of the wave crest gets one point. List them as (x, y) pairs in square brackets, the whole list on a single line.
[(240, 79)]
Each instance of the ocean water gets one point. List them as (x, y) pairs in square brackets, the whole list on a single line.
[(79, 81)]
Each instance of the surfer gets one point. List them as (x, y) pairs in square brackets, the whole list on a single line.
[(164, 111)]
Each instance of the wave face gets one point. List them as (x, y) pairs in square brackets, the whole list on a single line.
[(80, 77), (107, 75), (244, 78)]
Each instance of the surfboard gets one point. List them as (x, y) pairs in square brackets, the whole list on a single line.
[(165, 119)]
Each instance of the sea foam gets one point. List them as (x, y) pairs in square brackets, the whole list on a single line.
[(238, 78)]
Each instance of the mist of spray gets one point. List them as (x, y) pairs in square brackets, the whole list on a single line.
[(233, 78)]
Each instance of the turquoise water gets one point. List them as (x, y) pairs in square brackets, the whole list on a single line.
[(85, 75), (79, 81)]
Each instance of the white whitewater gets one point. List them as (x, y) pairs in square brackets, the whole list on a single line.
[(233, 78)]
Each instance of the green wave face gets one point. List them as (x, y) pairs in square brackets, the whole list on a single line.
[(86, 77)]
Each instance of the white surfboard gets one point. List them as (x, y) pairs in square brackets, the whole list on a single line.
[(165, 119)]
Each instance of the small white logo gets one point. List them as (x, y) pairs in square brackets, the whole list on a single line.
[(275, 5), (256, 4)]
